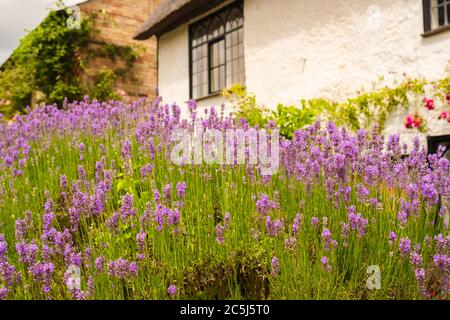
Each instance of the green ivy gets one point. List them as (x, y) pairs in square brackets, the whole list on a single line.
[(46, 61), (104, 81), (50, 63)]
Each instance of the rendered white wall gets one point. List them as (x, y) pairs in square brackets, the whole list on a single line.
[(298, 49), (173, 66)]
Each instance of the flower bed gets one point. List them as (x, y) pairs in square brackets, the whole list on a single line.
[(91, 207)]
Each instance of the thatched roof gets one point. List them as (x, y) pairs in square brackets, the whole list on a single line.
[(171, 14)]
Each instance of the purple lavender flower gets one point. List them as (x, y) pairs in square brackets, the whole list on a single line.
[(181, 189), (43, 273), (392, 237), (91, 286), (146, 216), (172, 290), (63, 182), (275, 266), (290, 243), (22, 226), (140, 256), (100, 263), (271, 124), (146, 170), (416, 259), (75, 259), (219, 234), (133, 269), (430, 193), (264, 205), (159, 217), (345, 230), (325, 264), (81, 173), (81, 148), (27, 252), (442, 244), (297, 223), (192, 105), (167, 191), (315, 221), (3, 293), (156, 195), (113, 222), (99, 167), (226, 220), (140, 239), (126, 150), (405, 246), (126, 208), (48, 215), (357, 222), (274, 228), (363, 192), (421, 278), (442, 262), (404, 211), (122, 268), (326, 236), (7, 271), (174, 217)]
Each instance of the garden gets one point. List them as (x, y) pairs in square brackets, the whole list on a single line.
[(92, 207)]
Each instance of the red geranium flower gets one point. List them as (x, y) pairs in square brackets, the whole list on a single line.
[(429, 103), (413, 121), (417, 122), (409, 122)]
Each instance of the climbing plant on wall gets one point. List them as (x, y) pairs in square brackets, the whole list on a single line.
[(50, 63), (362, 111)]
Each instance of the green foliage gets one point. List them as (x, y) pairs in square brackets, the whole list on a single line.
[(362, 111), (47, 61), (246, 105), (291, 118), (51, 60), (113, 51), (288, 118), (103, 88), (374, 107)]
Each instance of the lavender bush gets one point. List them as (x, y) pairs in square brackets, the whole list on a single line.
[(92, 208)]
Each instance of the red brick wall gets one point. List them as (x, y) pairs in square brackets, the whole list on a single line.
[(117, 21)]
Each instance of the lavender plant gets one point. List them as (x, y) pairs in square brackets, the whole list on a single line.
[(91, 188)]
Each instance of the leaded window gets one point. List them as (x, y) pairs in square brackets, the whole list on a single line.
[(217, 51)]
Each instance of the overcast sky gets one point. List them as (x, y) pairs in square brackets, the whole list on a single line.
[(17, 16)]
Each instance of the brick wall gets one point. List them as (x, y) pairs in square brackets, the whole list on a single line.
[(117, 21)]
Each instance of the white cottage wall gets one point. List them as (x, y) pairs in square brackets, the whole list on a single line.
[(298, 49)]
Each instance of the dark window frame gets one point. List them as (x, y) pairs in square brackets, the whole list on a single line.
[(219, 65), (427, 18), (433, 143), (206, 22)]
